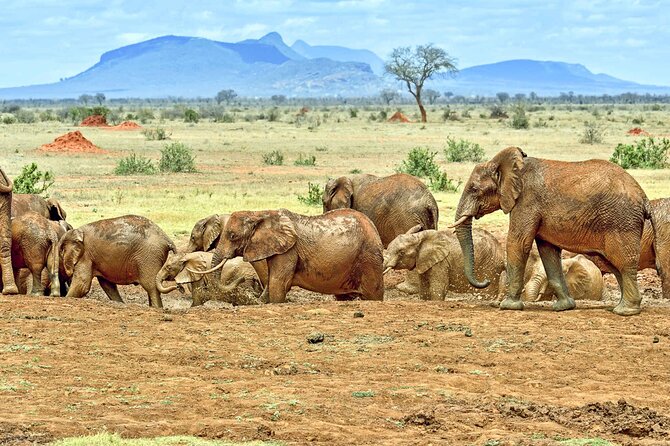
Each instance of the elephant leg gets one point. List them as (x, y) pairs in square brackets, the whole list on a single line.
[(149, 285), (551, 260), (280, 275), (518, 248), (411, 284), (502, 285), (372, 283), (81, 283), (630, 295), (110, 289), (21, 280), (624, 257), (38, 286), (434, 286), (8, 282)]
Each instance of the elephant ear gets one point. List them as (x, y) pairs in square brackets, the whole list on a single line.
[(56, 212), (338, 194), (274, 233), (72, 250), (212, 232), (431, 252), (508, 164), (197, 261)]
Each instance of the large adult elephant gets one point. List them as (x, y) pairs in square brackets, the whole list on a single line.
[(118, 251), (592, 207), (395, 203), (6, 187), (337, 253), (49, 208)]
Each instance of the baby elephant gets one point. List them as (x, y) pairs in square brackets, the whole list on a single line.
[(436, 256), (118, 251), (179, 267), (583, 277)]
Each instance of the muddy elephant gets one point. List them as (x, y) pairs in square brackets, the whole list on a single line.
[(6, 187), (395, 203), (49, 208), (592, 207), (582, 276), (118, 251), (436, 257), (338, 252), (236, 273), (35, 246)]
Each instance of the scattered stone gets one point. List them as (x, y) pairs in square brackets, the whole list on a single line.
[(167, 318), (359, 314), (656, 340), (315, 338)]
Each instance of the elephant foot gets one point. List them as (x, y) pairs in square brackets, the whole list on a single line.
[(624, 309), (408, 288), (564, 304), (37, 293), (511, 304), (10, 289)]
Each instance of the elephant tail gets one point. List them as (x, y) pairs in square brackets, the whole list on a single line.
[(650, 215), (431, 217)]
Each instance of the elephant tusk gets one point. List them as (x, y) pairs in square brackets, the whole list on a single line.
[(458, 222), (386, 270), (211, 270)]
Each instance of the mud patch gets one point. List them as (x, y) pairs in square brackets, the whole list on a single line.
[(16, 434)]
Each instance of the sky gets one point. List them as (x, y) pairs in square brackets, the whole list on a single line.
[(45, 40)]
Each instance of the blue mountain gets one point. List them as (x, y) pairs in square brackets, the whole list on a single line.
[(339, 53)]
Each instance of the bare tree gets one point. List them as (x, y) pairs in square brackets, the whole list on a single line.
[(415, 67), (431, 95), (225, 95), (85, 98), (388, 95), (100, 97)]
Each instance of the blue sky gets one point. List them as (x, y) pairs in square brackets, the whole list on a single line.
[(44, 40)]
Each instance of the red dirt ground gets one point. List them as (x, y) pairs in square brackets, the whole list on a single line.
[(407, 372), (398, 117), (125, 125), (73, 142), (94, 121), (637, 131)]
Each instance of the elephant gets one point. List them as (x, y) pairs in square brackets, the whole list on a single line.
[(6, 188), (589, 207), (436, 256), (49, 208), (582, 276), (395, 203), (338, 252), (205, 236), (34, 246), (236, 273), (118, 251)]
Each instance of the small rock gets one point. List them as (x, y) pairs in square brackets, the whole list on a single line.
[(468, 333), (359, 314), (656, 340), (166, 318), (315, 338)]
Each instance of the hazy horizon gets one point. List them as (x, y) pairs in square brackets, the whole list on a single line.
[(47, 40)]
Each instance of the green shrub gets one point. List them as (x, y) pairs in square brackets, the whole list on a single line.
[(638, 120), (25, 116), (420, 162), (226, 118), (440, 182), (28, 181), (449, 115), (305, 160), (145, 115), (353, 112), (644, 154), (462, 151), (156, 134), (355, 171), (273, 114), (9, 119), (519, 118), (177, 157), (135, 164), (593, 133), (274, 158), (498, 112), (314, 195), (191, 115)]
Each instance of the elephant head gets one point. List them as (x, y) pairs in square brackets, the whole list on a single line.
[(415, 250), (338, 194), (493, 185), (71, 250), (206, 232), (175, 268), (56, 211), (254, 236)]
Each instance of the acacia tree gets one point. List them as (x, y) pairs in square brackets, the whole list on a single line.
[(415, 67), (225, 95), (388, 95)]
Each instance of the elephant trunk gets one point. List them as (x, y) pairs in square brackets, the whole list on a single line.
[(464, 235), (535, 286), (54, 278), (8, 186), (160, 278)]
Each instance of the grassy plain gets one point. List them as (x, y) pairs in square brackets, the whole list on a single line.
[(232, 175)]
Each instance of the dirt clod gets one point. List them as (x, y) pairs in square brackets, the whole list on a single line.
[(359, 314), (315, 338)]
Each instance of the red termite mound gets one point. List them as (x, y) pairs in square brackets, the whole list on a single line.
[(126, 125), (398, 117), (94, 121), (73, 142)]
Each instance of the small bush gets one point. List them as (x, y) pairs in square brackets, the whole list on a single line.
[(177, 157), (353, 112), (25, 116), (135, 164), (191, 115), (440, 182), (28, 181), (9, 119), (462, 151), (305, 160), (519, 119), (157, 134), (274, 158), (644, 154), (314, 195), (498, 112), (638, 121), (355, 171), (420, 162), (273, 114), (225, 118), (449, 115), (144, 115), (593, 133)]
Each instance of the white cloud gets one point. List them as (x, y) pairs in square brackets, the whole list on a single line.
[(128, 38), (298, 21), (250, 31)]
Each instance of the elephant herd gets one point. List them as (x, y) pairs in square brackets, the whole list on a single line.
[(594, 210)]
